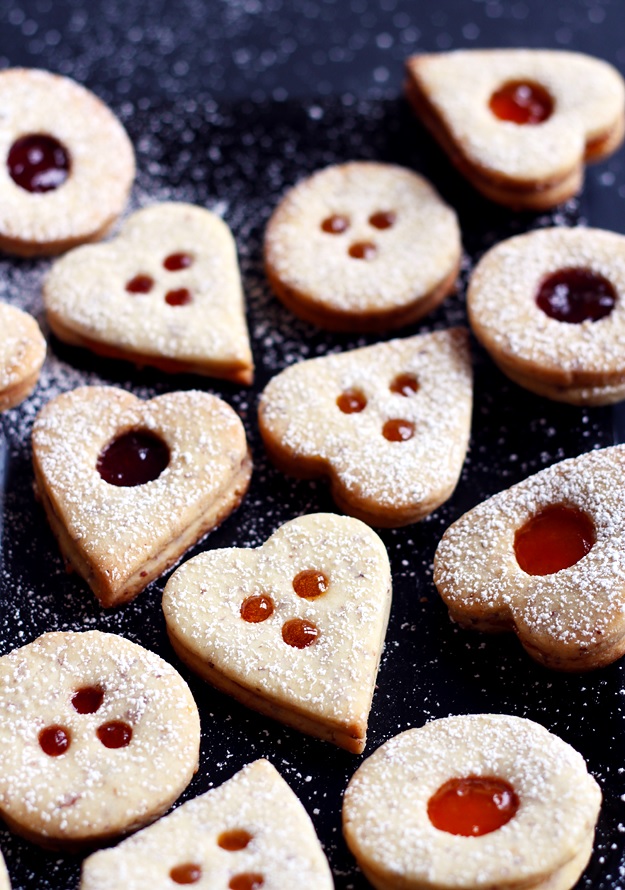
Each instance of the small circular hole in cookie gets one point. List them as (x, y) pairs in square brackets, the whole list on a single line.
[(362, 250), (383, 219), (88, 700), (521, 102), (140, 284), (54, 740), (257, 608), (310, 584), (398, 430), (134, 458), (175, 262), (299, 633), (335, 224), (553, 539), (187, 873), (352, 401), (38, 163), (246, 881), (115, 734), (235, 839), (473, 805), (405, 385), (575, 295), (180, 297)]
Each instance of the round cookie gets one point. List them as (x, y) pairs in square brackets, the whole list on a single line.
[(534, 780), (98, 735), (362, 246), (67, 164), (22, 353)]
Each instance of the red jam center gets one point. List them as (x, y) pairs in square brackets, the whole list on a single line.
[(336, 224), (310, 584), (396, 430), (54, 740), (177, 261), (472, 806), (554, 539), (114, 734), (235, 839), (88, 700), (133, 459), (362, 250), (38, 163), (352, 401), (299, 633), (140, 284), (405, 385), (257, 608), (180, 297), (246, 881), (383, 219), (576, 295), (521, 103), (189, 873)]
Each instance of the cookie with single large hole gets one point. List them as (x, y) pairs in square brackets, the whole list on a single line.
[(128, 486), (388, 424), (549, 307), (248, 833), (362, 246), (166, 292), (545, 559), (67, 167), (98, 737), (22, 353), (520, 124), (293, 629), (484, 800)]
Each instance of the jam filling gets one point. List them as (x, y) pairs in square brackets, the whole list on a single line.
[(234, 840), (363, 250), (383, 219), (521, 103), (246, 881), (335, 224), (177, 261), (310, 584), (188, 873), (133, 458), (405, 385), (472, 806), (299, 633), (180, 297), (396, 430), (140, 284), (38, 163), (576, 295), (556, 538), (257, 608), (352, 401), (88, 699), (54, 740), (115, 734)]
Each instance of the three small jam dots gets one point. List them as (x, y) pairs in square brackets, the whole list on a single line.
[(338, 224), (174, 262), (56, 740), (396, 429), (299, 633), (231, 841)]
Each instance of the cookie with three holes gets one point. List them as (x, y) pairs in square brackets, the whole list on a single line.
[(98, 737), (388, 424), (250, 832), (166, 292), (68, 164), (362, 246), (22, 353), (520, 124), (293, 629)]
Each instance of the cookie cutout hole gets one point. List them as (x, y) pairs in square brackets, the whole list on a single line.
[(175, 262), (352, 401), (115, 734), (405, 385), (397, 430), (383, 219), (133, 458), (234, 840), (257, 608), (310, 584), (38, 163), (180, 297), (521, 102), (335, 224), (299, 633), (472, 806), (362, 250), (140, 284), (576, 295), (554, 539), (54, 740), (187, 873), (88, 699), (246, 881)]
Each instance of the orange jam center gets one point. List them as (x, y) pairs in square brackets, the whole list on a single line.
[(521, 103), (115, 734), (257, 608), (54, 740), (472, 806), (189, 873), (405, 385), (336, 224), (299, 633), (310, 583), (556, 538), (246, 881), (235, 839), (88, 699), (352, 401), (398, 430), (383, 219)]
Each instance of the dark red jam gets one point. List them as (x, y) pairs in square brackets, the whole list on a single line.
[(133, 459), (576, 295), (38, 163)]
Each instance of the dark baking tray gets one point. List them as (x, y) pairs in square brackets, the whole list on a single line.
[(238, 159)]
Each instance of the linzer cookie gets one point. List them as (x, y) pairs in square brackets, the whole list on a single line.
[(362, 246), (166, 292), (22, 352), (249, 833), (5, 884), (520, 123), (485, 800), (128, 485), (294, 628), (68, 164), (549, 306), (545, 559), (388, 424), (98, 738)]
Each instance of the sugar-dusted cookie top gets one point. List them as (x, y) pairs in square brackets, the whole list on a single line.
[(362, 246), (484, 800), (294, 628), (251, 832), (129, 485), (389, 424), (22, 352), (68, 163), (165, 292), (98, 736), (545, 558)]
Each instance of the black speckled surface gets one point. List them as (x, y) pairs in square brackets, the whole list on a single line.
[(228, 104)]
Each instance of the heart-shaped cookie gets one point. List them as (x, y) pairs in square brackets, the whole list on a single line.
[(129, 485), (293, 629), (165, 292), (545, 559), (520, 123), (249, 833), (389, 424), (22, 352)]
